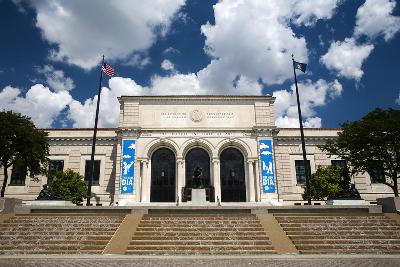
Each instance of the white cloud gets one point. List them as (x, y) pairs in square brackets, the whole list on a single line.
[(312, 95), (82, 115), (167, 65), (308, 12), (39, 103), (398, 100), (83, 31), (56, 78), (374, 18), (138, 60), (347, 58)]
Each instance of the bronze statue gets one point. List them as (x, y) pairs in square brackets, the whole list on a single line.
[(48, 194), (197, 179)]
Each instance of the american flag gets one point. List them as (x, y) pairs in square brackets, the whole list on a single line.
[(107, 69)]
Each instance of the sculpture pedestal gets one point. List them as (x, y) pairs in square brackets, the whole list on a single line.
[(199, 197)]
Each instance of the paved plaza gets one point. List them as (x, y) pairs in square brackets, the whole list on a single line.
[(210, 261)]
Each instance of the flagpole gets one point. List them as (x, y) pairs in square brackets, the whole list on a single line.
[(89, 192), (303, 145)]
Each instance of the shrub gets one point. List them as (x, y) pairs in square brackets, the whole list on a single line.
[(69, 185), (328, 182)]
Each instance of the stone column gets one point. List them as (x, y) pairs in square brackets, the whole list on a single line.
[(217, 179), (180, 178), (258, 181), (145, 195), (250, 164)]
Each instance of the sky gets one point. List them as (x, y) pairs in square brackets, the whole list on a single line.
[(51, 51)]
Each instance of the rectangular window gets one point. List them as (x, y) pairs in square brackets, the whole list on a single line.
[(339, 163), (300, 173), (17, 177), (96, 171), (377, 174), (54, 167)]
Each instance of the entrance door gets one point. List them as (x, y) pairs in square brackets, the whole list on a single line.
[(197, 160), (163, 176), (233, 183)]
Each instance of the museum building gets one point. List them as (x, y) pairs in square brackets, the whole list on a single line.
[(165, 146)]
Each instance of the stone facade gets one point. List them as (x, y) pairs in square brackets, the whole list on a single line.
[(181, 123)]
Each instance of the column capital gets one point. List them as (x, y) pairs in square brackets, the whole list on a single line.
[(215, 161), (251, 161)]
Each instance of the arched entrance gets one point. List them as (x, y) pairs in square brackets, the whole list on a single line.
[(197, 159), (163, 176), (233, 183)]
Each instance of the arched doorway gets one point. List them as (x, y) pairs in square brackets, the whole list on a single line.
[(163, 176), (197, 158), (233, 183)]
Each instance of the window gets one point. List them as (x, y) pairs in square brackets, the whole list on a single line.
[(96, 171), (339, 163), (377, 175), (18, 176), (300, 173), (54, 167)]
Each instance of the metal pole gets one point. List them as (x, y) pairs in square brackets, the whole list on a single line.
[(89, 193), (303, 145)]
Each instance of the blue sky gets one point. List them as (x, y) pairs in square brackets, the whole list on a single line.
[(51, 51)]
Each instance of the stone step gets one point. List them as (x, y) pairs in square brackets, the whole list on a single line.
[(333, 221), (204, 233), (343, 232), (199, 252), (199, 242), (350, 251), (346, 246), (51, 247), (334, 237), (346, 241), (58, 237), (340, 224), (199, 237), (342, 228), (59, 224), (50, 251), (57, 232), (200, 247), (62, 228), (199, 229), (50, 242), (199, 224)]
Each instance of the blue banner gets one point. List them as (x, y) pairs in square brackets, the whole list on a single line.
[(128, 166), (267, 166)]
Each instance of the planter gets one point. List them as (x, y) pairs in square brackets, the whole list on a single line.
[(7, 205), (389, 204), (51, 203), (346, 202)]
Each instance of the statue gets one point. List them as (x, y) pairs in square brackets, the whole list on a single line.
[(48, 194), (197, 179)]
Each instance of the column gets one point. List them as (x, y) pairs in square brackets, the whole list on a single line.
[(216, 179), (145, 196), (180, 178), (250, 164), (258, 182)]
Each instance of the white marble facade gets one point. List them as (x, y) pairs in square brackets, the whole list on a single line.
[(180, 124)]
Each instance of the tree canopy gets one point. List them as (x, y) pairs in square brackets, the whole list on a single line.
[(371, 145), (69, 184), (21, 145)]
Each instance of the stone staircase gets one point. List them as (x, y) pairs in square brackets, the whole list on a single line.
[(57, 234), (341, 233), (197, 234)]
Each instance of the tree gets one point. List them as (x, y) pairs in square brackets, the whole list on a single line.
[(21, 145), (69, 184), (325, 182), (371, 145)]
